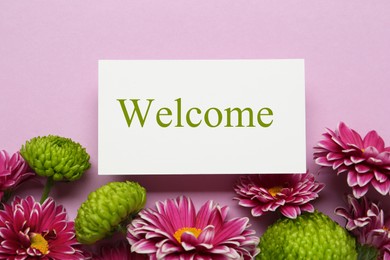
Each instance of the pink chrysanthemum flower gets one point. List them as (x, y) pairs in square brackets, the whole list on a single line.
[(175, 231), (13, 170), (365, 220), (119, 251), (366, 160), (289, 193), (29, 230)]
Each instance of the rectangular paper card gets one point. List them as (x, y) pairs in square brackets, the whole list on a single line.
[(201, 116)]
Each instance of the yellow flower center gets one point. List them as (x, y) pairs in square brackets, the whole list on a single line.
[(39, 242), (195, 231), (275, 190), (362, 150)]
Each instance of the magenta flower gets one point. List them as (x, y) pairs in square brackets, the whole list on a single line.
[(119, 251), (289, 193), (175, 231), (365, 220), (356, 214), (367, 161), (13, 170), (29, 230)]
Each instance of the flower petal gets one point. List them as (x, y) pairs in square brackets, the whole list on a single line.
[(207, 235), (143, 247), (290, 211), (349, 136), (359, 192), (380, 177), (364, 178), (373, 139), (382, 188), (352, 179)]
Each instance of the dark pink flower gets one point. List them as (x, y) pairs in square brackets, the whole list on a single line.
[(119, 251), (289, 193), (13, 170), (29, 230), (367, 160), (175, 231), (365, 220)]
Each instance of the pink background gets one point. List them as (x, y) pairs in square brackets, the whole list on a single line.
[(48, 73)]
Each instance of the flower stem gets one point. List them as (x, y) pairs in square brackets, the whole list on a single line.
[(7, 194), (46, 189), (122, 227)]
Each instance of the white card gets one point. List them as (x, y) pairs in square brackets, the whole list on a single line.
[(201, 116)]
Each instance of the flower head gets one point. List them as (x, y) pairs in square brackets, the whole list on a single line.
[(309, 236), (119, 251), (366, 221), (107, 208), (29, 230), (13, 170), (366, 160), (174, 230), (57, 157), (290, 193)]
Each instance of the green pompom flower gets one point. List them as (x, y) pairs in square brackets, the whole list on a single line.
[(309, 236), (56, 157), (107, 209)]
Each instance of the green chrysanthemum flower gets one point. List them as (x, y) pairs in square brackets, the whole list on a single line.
[(309, 236), (107, 208), (56, 157)]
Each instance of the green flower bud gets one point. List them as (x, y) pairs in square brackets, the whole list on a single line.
[(56, 157), (107, 208), (309, 236)]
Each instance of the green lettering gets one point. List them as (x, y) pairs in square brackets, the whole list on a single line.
[(178, 101), (137, 110), (188, 117), (239, 115), (207, 120), (159, 114), (260, 115)]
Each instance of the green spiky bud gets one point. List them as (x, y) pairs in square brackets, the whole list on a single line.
[(57, 157), (107, 208), (309, 236)]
